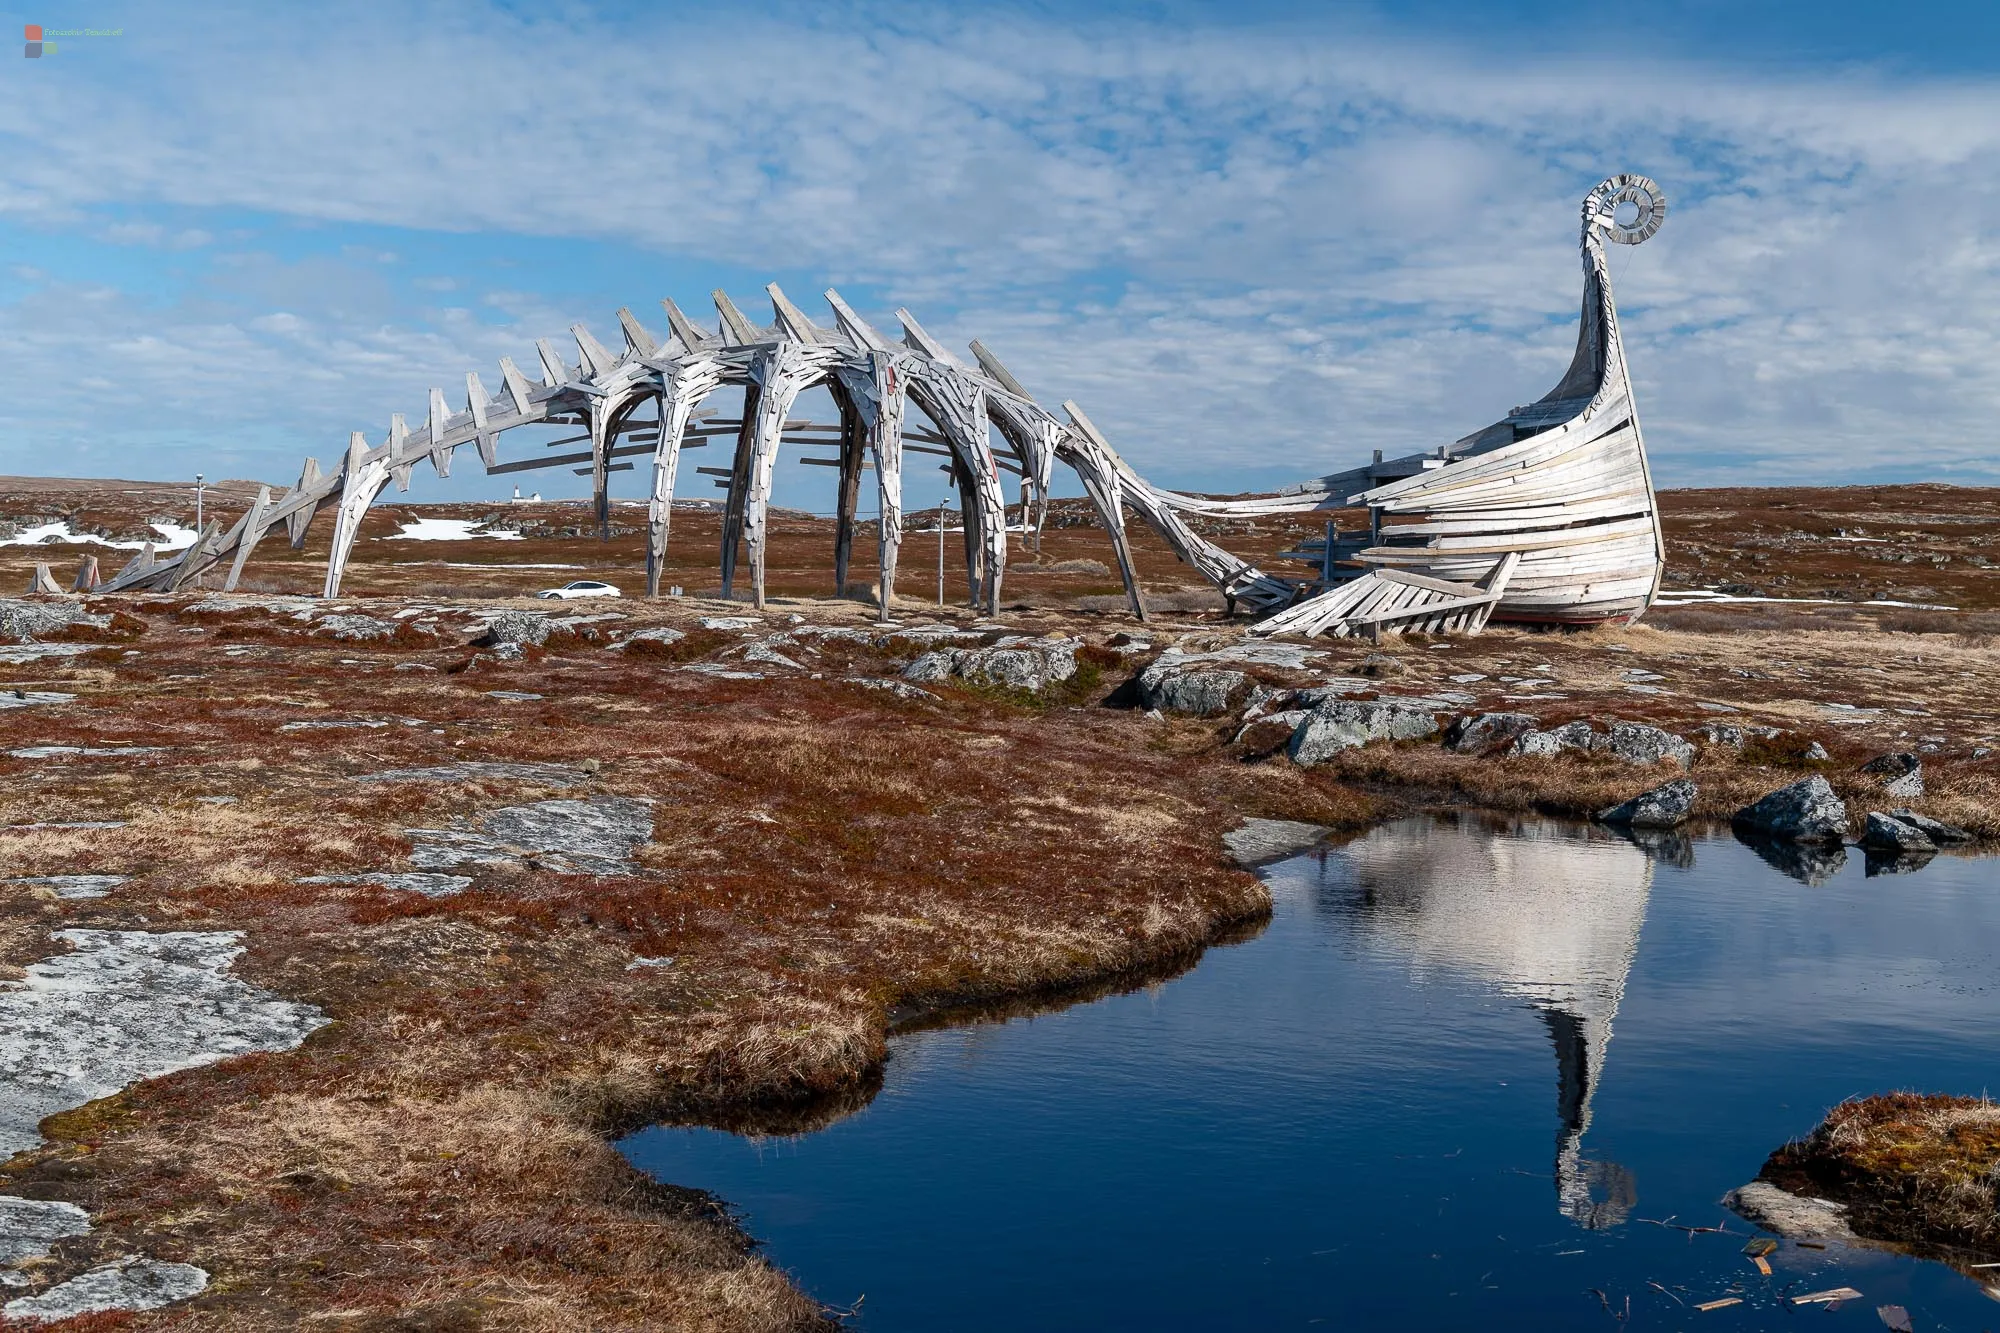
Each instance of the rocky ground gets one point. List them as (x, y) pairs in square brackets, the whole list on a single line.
[(468, 886)]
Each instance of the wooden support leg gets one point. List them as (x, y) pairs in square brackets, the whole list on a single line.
[(246, 541), (851, 455), (660, 503), (970, 518), (739, 490)]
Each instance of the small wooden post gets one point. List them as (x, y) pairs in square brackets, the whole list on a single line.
[(43, 581), (87, 576)]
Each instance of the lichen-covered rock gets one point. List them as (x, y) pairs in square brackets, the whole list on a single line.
[(658, 634), (1637, 743), (1482, 731), (29, 1229), (1735, 735), (1017, 663), (24, 620), (1173, 687), (1902, 774), (1665, 806), (588, 837), (1806, 811), (1939, 832), (354, 627), (1345, 724), (1886, 833), (516, 627), (19, 698), (131, 1284), (769, 656), (1793, 1216), (545, 775), (1569, 736), (1256, 841), (125, 1005)]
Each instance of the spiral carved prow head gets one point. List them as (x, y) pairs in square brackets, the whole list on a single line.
[(1602, 206)]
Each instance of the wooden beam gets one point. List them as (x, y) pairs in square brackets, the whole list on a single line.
[(690, 334), (597, 358), (856, 328), (736, 330), (791, 320)]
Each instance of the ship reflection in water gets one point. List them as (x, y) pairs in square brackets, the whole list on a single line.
[(1550, 915)]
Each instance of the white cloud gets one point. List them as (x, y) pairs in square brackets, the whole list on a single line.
[(1250, 253)]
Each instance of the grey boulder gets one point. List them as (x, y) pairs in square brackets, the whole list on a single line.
[(1902, 774), (354, 627), (1346, 724), (1019, 663), (1482, 731), (1939, 832), (1735, 735), (1195, 691), (1666, 806), (1637, 743), (1569, 736), (1806, 811), (1886, 833), (516, 627)]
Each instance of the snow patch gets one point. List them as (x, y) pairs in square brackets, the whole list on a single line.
[(173, 537), (447, 530)]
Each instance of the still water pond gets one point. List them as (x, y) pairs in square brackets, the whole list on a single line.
[(1452, 1084)]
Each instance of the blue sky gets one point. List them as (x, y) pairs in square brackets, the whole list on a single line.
[(1253, 240)]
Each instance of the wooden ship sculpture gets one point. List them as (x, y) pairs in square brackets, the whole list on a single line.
[(1547, 515)]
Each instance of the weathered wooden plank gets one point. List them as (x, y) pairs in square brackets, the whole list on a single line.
[(638, 341)]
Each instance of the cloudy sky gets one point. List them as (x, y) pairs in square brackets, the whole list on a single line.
[(1254, 240)]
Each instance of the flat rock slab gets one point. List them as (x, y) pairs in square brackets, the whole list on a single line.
[(593, 837), (1257, 841), (32, 698), (902, 689), (74, 886), (1790, 1215), (430, 885), (29, 1228), (335, 724), (354, 628), (133, 1284), (513, 696), (31, 652), (125, 1005), (546, 775), (302, 609), (721, 671)]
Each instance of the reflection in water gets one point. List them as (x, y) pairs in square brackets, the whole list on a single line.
[(1811, 863), (1549, 915)]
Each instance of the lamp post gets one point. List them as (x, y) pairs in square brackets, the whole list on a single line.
[(940, 530)]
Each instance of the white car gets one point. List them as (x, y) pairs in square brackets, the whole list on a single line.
[(582, 588)]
